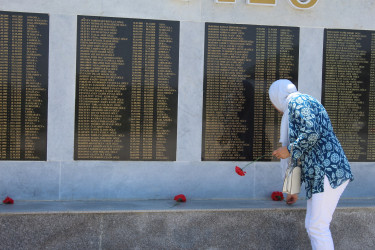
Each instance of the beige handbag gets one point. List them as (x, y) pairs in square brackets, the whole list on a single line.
[(292, 180)]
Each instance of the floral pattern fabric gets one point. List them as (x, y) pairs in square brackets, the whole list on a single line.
[(316, 145)]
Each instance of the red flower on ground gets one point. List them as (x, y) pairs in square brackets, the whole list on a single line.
[(8, 200), (277, 196), (180, 198), (239, 171)]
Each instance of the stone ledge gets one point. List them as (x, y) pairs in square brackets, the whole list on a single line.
[(111, 206), (196, 224)]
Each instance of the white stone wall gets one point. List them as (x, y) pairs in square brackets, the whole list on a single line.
[(62, 178)]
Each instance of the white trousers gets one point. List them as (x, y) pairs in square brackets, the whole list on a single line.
[(320, 209)]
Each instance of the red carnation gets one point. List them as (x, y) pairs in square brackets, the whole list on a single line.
[(277, 196), (239, 171), (180, 198), (8, 200)]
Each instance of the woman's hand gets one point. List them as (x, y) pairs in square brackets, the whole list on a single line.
[(291, 198), (282, 153)]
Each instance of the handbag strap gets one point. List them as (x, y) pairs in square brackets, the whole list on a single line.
[(290, 157)]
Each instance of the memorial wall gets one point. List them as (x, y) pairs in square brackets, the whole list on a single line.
[(24, 86), (241, 62), (148, 99), (127, 83), (349, 90)]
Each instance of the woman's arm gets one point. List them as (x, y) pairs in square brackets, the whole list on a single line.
[(304, 127)]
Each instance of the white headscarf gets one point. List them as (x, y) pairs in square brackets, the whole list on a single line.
[(280, 93)]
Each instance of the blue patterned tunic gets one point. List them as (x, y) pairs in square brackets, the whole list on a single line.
[(316, 145)]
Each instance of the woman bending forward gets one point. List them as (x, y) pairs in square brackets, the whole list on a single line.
[(306, 127)]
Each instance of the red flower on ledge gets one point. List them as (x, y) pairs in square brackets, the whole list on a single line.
[(277, 196), (180, 198), (8, 200), (239, 171)]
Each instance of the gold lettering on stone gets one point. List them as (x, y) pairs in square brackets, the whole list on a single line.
[(303, 4)]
